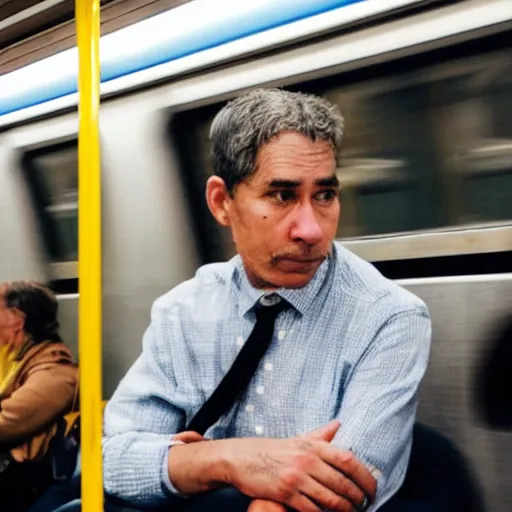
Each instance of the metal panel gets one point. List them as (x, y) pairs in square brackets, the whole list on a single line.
[(68, 319), (446, 242), (64, 270), (148, 242), (465, 312)]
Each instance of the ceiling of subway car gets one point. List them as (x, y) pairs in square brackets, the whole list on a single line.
[(31, 30)]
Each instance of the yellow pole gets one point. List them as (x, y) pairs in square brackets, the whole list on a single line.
[(89, 231)]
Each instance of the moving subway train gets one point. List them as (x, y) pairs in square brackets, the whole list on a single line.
[(426, 89)]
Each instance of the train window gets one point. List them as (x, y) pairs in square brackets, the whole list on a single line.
[(428, 143), (52, 176)]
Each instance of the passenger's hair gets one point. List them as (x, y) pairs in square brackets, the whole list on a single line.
[(38, 304), (245, 124)]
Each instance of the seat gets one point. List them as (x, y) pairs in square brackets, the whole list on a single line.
[(493, 381), (64, 459), (438, 478)]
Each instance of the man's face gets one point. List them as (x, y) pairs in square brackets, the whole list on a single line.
[(284, 218)]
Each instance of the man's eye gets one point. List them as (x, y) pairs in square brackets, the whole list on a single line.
[(282, 196), (326, 196)]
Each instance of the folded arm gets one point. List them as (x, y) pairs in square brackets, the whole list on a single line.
[(141, 419), (380, 400), (379, 404), (142, 422)]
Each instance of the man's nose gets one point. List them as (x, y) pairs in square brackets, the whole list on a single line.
[(306, 226)]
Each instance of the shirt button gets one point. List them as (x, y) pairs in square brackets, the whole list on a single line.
[(374, 471), (239, 341), (260, 390), (281, 335), (258, 429), (269, 367), (249, 408)]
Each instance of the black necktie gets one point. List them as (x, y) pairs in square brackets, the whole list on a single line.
[(237, 379)]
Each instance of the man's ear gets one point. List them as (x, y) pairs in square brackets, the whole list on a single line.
[(218, 198)]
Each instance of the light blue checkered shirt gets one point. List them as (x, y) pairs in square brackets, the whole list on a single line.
[(353, 346)]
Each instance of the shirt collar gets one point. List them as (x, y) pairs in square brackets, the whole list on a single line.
[(300, 298)]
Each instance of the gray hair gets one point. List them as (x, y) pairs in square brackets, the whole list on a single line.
[(245, 124)]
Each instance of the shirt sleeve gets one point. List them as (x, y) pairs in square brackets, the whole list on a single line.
[(141, 419), (379, 404)]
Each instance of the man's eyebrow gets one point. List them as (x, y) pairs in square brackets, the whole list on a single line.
[(283, 183), (332, 181)]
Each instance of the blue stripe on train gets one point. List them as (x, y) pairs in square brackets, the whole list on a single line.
[(202, 36)]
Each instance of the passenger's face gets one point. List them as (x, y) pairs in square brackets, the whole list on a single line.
[(284, 218), (11, 323)]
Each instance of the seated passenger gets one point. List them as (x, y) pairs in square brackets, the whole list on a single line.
[(38, 385), (326, 419)]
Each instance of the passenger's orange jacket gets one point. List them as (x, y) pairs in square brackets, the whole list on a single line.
[(42, 389)]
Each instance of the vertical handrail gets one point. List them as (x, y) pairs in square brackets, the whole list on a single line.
[(89, 232)]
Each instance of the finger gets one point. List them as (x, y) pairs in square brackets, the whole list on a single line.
[(188, 437), (350, 466), (324, 433), (301, 503), (337, 482), (325, 497)]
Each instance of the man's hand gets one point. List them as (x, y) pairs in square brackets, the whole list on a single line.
[(190, 436), (270, 506), (322, 434), (306, 472)]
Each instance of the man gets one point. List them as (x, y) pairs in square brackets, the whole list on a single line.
[(326, 420)]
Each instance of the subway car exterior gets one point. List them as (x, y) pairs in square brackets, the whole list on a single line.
[(426, 172)]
